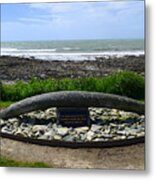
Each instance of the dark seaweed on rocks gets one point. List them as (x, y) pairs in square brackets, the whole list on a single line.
[(19, 68)]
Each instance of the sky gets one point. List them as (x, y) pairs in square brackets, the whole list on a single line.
[(78, 20)]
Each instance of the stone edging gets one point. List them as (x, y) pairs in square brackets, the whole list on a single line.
[(57, 143)]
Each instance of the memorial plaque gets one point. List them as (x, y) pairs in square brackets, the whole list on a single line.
[(73, 117)]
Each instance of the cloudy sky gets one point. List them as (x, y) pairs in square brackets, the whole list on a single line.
[(82, 20)]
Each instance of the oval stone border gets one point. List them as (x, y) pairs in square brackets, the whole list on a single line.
[(72, 99), (58, 143)]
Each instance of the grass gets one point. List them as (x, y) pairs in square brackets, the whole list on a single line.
[(4, 162), (128, 84), (4, 104)]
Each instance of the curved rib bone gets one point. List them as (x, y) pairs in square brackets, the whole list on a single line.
[(72, 99)]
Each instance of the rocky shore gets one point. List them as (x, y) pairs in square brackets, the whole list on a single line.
[(107, 125), (18, 68)]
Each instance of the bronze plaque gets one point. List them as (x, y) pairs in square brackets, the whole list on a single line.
[(73, 116)]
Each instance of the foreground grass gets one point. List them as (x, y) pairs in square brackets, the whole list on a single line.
[(128, 84), (4, 162), (4, 104)]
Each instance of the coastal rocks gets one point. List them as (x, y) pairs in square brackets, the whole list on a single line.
[(119, 125), (102, 66)]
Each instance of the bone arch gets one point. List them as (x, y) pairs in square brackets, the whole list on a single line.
[(72, 99)]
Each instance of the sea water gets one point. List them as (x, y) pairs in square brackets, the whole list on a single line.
[(73, 49)]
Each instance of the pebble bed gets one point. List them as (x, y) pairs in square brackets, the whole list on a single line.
[(107, 125)]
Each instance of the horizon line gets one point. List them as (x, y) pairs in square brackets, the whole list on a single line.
[(73, 39)]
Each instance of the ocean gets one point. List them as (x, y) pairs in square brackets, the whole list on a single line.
[(72, 49)]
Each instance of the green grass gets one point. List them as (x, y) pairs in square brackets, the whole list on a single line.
[(127, 84), (4, 162), (4, 104)]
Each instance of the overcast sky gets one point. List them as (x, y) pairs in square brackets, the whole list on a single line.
[(82, 20)]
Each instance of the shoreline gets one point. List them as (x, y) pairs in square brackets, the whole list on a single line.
[(19, 68), (46, 55)]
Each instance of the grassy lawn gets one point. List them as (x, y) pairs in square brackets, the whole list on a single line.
[(4, 162)]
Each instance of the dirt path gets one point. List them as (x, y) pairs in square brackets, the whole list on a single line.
[(129, 157)]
